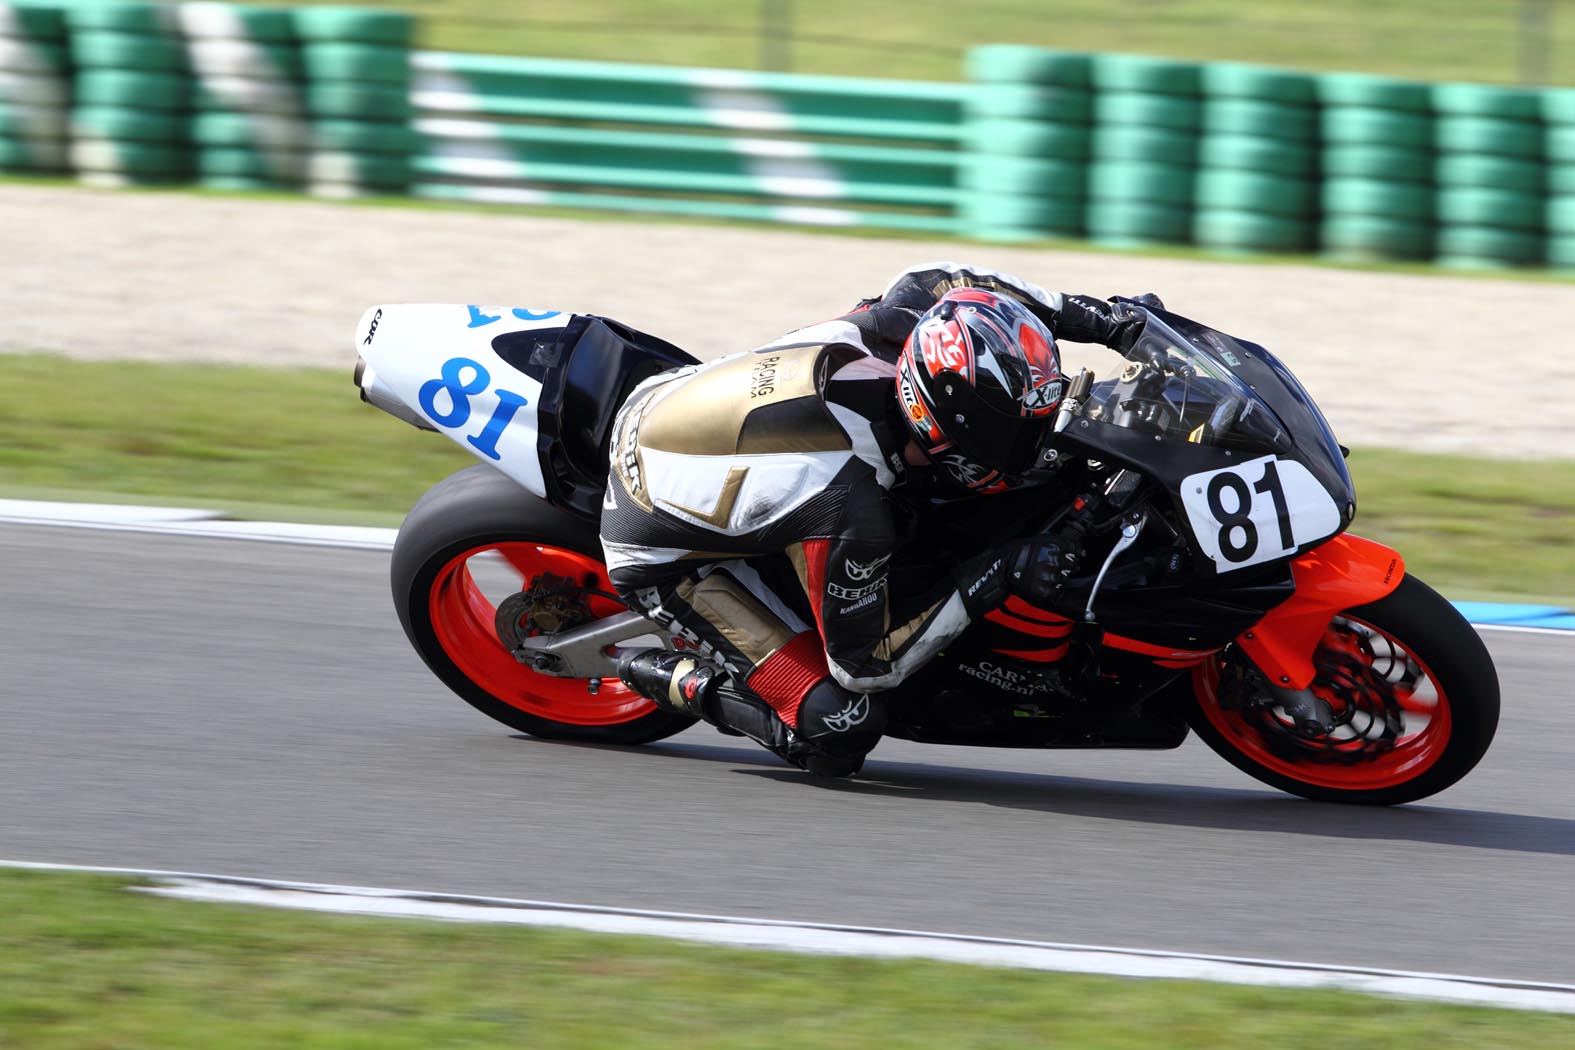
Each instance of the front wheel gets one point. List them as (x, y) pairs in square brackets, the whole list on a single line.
[(471, 542), (1412, 689)]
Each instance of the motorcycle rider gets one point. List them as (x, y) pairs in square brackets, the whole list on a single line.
[(749, 510)]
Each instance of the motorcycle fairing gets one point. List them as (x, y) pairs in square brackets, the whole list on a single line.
[(1345, 572), (533, 391)]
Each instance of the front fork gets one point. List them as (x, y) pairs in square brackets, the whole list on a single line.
[(1339, 574)]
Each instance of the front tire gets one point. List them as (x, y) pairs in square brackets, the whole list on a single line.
[(1415, 693), (479, 513)]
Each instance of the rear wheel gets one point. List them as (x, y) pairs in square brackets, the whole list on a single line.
[(1412, 690), (473, 542)]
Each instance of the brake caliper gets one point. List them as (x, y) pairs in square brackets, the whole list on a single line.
[(550, 604)]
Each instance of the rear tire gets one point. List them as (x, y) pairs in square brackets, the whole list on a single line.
[(447, 619), (1446, 726)]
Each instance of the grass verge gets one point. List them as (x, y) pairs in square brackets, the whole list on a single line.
[(85, 965), (1439, 39), (298, 445)]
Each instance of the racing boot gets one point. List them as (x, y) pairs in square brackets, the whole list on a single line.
[(679, 682), (676, 681), (836, 729)]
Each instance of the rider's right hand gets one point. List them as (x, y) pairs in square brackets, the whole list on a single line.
[(1028, 568)]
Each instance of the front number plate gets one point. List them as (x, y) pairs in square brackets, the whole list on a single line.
[(1257, 511)]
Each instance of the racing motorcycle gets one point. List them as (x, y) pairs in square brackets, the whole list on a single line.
[(1219, 590)]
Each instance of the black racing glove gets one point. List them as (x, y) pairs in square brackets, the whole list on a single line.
[(1116, 323), (1029, 568), (1148, 299)]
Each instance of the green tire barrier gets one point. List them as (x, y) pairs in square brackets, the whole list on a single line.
[(357, 101), (1247, 191), (28, 56), (32, 154), (154, 19), (1015, 64), (1027, 138), (356, 136), (1488, 172), (1394, 200), (129, 125), (1156, 184), (1275, 156), (1478, 100), (1480, 207), (1019, 218), (106, 50), (129, 158), (25, 89), (32, 21), (1024, 176), (374, 170), (1133, 142), (1229, 230), (243, 95), (1561, 252), (1481, 246), (1258, 83), (1367, 237), (1143, 74), (1560, 179), (1559, 143), (126, 89), (33, 57), (1029, 102), (1488, 135), (357, 62), (244, 58), (226, 21), (1396, 164), (1371, 126), (1277, 120), (1174, 112), (32, 122), (248, 183), (359, 25), (1558, 105), (241, 130), (1366, 91), (1561, 215), (277, 166), (1128, 224)]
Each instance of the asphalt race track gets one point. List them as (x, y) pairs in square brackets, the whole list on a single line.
[(253, 709)]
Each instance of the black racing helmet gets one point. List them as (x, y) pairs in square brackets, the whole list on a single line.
[(979, 381)]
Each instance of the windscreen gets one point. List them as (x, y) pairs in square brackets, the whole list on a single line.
[(1173, 387)]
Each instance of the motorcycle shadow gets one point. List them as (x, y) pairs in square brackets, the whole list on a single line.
[(1181, 805)]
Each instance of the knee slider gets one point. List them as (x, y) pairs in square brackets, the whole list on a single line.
[(840, 719)]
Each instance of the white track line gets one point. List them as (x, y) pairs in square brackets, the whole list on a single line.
[(826, 939)]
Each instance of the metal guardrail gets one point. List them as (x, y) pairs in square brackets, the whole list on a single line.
[(726, 143)]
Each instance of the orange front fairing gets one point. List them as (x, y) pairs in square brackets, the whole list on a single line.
[(1339, 574)]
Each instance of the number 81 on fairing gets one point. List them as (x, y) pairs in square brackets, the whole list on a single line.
[(1257, 511)]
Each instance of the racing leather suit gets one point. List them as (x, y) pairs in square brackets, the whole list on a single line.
[(749, 512)]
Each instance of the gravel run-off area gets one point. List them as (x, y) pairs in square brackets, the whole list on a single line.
[(1433, 363)]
